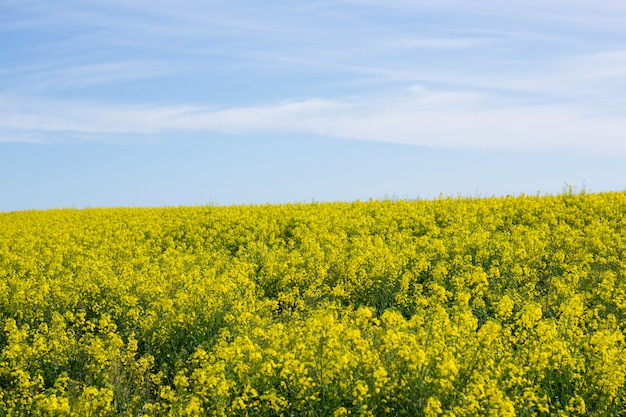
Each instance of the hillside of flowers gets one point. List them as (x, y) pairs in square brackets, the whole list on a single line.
[(511, 306)]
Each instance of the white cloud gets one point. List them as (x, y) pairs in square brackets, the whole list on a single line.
[(417, 88), (546, 128), (507, 79), (553, 9), (436, 43), (59, 76), (455, 120)]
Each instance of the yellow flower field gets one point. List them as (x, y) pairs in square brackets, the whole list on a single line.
[(456, 306)]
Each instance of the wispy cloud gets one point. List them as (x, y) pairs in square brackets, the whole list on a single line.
[(436, 43), (432, 119), (552, 10), (529, 75), (61, 76)]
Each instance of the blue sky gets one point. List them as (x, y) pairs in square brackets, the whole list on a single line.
[(162, 102)]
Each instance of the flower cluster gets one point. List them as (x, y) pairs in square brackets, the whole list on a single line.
[(456, 306)]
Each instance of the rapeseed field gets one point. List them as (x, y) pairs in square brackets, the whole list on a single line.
[(509, 306)]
